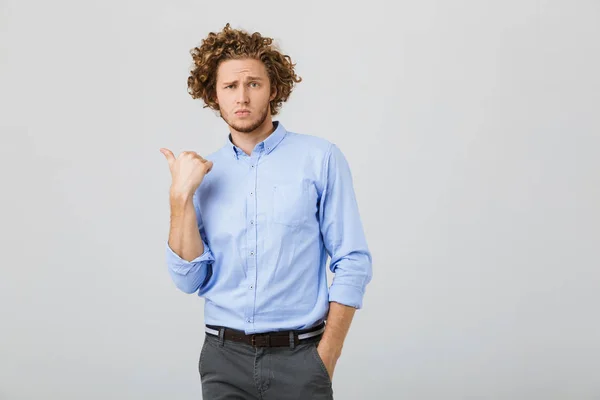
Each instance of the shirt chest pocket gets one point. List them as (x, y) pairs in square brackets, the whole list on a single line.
[(293, 203)]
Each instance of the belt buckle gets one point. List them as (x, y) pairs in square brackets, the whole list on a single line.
[(263, 340)]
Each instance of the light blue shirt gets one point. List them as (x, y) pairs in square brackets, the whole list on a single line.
[(268, 222)]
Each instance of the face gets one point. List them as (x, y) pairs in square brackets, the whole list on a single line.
[(243, 94)]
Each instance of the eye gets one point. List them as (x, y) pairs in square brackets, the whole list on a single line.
[(228, 86), (254, 84)]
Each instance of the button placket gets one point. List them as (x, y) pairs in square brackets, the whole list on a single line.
[(251, 237)]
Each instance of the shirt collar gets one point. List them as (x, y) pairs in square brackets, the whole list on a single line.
[(266, 145)]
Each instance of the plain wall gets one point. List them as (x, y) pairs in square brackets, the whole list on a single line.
[(473, 133)]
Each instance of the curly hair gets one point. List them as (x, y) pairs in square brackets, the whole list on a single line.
[(237, 44)]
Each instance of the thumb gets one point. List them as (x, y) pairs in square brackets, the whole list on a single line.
[(168, 155)]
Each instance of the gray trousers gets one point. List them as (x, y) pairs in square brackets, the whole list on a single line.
[(232, 370)]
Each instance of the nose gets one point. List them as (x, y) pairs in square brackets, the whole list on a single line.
[(242, 95)]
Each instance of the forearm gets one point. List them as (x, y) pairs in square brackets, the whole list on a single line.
[(184, 236), (338, 323)]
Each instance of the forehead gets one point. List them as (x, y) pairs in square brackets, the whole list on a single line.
[(237, 69)]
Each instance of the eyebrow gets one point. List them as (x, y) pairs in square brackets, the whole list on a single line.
[(250, 78)]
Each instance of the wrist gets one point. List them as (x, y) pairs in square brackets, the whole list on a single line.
[(330, 348), (180, 195)]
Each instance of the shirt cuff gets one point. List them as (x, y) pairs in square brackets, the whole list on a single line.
[(181, 266), (347, 295)]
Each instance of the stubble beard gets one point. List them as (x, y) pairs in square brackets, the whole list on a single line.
[(248, 128)]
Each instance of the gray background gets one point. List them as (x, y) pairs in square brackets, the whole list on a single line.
[(472, 129)]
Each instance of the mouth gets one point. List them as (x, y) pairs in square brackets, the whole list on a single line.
[(242, 113)]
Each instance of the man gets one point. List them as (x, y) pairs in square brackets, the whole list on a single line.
[(252, 226)]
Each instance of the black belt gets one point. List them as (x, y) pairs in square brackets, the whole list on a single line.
[(267, 339)]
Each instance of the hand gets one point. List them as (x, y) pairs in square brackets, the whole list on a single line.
[(187, 171), (328, 357)]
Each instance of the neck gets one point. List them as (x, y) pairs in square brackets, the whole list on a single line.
[(247, 141)]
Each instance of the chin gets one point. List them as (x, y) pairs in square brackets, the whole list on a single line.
[(245, 125)]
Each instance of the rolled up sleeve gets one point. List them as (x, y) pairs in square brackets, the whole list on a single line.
[(343, 233)]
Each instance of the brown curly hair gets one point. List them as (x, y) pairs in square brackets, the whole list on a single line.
[(237, 44)]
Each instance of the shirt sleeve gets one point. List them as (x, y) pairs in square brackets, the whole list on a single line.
[(343, 233), (189, 276)]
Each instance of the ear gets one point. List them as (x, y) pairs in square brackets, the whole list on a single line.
[(273, 93)]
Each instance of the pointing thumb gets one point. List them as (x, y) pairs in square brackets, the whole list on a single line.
[(168, 155)]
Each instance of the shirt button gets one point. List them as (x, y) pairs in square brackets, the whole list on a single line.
[(251, 253), (251, 193), (251, 222), (252, 166), (251, 287)]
